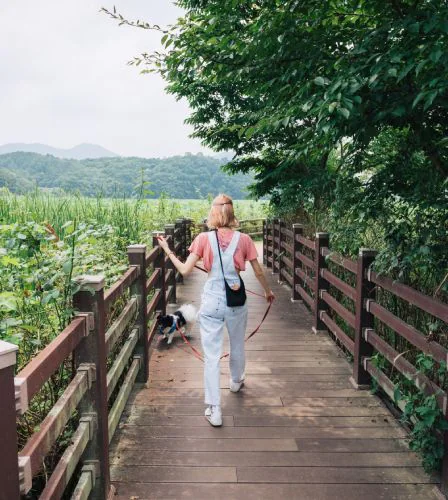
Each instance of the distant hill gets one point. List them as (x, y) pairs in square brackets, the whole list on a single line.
[(79, 152), (188, 176)]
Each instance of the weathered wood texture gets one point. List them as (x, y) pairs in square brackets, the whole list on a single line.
[(297, 429)]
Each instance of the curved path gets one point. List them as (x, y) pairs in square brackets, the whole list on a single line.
[(297, 429)]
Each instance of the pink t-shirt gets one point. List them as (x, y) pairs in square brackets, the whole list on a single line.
[(245, 249)]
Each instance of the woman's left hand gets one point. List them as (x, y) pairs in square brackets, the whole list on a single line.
[(163, 243)]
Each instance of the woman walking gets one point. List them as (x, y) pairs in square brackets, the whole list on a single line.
[(224, 252)]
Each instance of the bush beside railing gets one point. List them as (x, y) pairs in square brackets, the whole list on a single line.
[(344, 301), (107, 360)]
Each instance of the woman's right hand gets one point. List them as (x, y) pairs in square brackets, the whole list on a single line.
[(163, 243), (269, 296)]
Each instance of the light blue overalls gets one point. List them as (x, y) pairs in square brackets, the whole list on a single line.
[(213, 314)]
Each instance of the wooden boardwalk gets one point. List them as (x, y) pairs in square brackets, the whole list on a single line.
[(296, 430)]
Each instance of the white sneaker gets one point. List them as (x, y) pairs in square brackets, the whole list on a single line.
[(235, 386), (214, 416)]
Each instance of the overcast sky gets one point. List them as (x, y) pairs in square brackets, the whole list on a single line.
[(64, 78)]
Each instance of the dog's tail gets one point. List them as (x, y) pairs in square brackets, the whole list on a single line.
[(189, 312)]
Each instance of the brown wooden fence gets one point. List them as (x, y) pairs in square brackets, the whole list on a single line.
[(344, 301), (108, 344)]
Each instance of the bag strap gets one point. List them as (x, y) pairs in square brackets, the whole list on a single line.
[(219, 252)]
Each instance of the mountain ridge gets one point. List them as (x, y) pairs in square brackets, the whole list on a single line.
[(187, 176), (81, 151)]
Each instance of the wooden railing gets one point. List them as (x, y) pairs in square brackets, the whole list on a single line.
[(342, 295), (252, 227), (109, 352)]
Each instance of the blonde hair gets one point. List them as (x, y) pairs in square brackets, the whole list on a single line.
[(221, 214)]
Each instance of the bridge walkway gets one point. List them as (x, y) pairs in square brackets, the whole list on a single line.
[(296, 430)]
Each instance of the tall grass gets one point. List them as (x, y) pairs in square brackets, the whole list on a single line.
[(132, 219)]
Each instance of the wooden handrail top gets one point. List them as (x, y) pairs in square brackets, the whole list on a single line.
[(37, 372), (428, 304), (118, 288)]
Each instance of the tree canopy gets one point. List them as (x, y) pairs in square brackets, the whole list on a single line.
[(338, 107)]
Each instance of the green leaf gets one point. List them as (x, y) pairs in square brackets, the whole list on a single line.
[(344, 112), (419, 97), (430, 99), (392, 72), (8, 302), (319, 81), (397, 394)]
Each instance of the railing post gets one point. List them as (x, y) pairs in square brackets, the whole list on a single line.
[(169, 231), (275, 246), (92, 351), (265, 243), (444, 472), (320, 284), (268, 243), (137, 257), (180, 224), (297, 230), (281, 239), (188, 223), (363, 318), (159, 263), (9, 465)]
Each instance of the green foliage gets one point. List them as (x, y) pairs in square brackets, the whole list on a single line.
[(339, 109), (45, 242), (421, 410), (189, 176), (285, 83)]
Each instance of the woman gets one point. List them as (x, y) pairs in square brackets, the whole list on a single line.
[(235, 249)]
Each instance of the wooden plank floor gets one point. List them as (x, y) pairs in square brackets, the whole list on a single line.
[(296, 430)]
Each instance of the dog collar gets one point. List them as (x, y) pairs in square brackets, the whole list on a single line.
[(171, 330)]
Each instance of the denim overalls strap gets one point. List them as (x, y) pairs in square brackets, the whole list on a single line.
[(230, 272)]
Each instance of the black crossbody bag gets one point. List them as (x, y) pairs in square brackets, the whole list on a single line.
[(234, 298)]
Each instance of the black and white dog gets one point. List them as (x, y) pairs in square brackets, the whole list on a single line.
[(183, 319)]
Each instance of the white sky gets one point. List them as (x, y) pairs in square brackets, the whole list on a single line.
[(64, 78)]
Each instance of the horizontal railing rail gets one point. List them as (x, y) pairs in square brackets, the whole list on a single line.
[(107, 347)]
